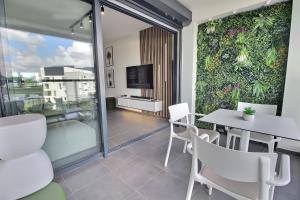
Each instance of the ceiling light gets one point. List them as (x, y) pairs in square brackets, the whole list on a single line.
[(268, 2), (72, 31), (234, 12), (81, 25), (90, 18), (102, 9)]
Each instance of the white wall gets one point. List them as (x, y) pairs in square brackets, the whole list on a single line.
[(126, 52), (291, 100), (205, 9)]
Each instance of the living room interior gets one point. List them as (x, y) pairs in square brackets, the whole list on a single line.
[(138, 72)]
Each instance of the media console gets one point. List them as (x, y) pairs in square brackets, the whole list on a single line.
[(139, 103)]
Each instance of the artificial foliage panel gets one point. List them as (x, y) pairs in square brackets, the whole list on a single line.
[(243, 57)]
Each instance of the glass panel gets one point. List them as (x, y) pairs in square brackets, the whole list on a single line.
[(3, 85), (48, 56)]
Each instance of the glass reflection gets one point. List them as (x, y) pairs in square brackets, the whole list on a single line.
[(49, 70)]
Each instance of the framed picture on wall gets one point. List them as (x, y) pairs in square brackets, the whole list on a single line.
[(110, 79), (109, 56)]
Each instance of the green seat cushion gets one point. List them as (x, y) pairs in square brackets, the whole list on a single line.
[(53, 191)]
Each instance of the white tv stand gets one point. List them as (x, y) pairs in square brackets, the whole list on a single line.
[(140, 104)]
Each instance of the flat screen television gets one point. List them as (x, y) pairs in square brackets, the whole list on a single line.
[(140, 76)]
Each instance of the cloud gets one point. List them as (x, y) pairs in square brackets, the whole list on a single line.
[(80, 54), (27, 59), (24, 37)]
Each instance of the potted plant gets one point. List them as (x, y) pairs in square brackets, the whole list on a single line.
[(248, 114)]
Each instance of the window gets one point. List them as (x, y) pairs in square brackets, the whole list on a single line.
[(44, 53), (47, 93)]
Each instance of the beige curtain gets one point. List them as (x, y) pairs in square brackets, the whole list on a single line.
[(156, 47)]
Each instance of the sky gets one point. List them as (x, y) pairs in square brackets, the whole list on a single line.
[(26, 52)]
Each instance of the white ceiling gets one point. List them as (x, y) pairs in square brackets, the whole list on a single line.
[(117, 25), (204, 9), (48, 17), (54, 17)]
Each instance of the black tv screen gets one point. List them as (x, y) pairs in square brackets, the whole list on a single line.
[(140, 76)]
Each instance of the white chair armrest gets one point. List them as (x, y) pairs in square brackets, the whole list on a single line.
[(197, 114), (202, 115), (203, 136), (189, 148), (277, 139), (185, 124), (284, 176)]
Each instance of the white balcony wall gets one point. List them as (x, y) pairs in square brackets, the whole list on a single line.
[(291, 100)]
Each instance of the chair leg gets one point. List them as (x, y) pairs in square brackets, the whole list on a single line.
[(218, 141), (271, 147), (185, 145), (228, 140), (168, 151), (233, 144), (190, 188), (209, 190), (272, 192)]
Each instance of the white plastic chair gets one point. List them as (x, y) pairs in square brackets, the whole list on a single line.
[(242, 175), (181, 112), (234, 133)]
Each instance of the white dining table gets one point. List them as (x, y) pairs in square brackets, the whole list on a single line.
[(278, 126)]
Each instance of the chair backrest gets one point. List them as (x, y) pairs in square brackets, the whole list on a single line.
[(179, 111), (259, 108), (24, 167), (231, 164)]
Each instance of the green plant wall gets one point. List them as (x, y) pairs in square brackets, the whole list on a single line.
[(243, 57)]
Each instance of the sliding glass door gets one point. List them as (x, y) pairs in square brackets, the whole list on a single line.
[(48, 68)]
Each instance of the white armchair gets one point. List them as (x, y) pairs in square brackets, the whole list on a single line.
[(242, 175), (181, 112)]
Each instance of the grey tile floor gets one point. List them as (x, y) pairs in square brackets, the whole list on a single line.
[(124, 125), (136, 172)]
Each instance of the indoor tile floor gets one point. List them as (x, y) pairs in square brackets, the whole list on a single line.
[(124, 126), (136, 172)]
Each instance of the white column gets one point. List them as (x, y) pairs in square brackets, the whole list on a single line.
[(291, 100), (189, 67)]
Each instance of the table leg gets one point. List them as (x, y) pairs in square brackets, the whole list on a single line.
[(244, 142), (276, 144)]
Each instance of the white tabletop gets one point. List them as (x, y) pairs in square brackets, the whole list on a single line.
[(268, 124)]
